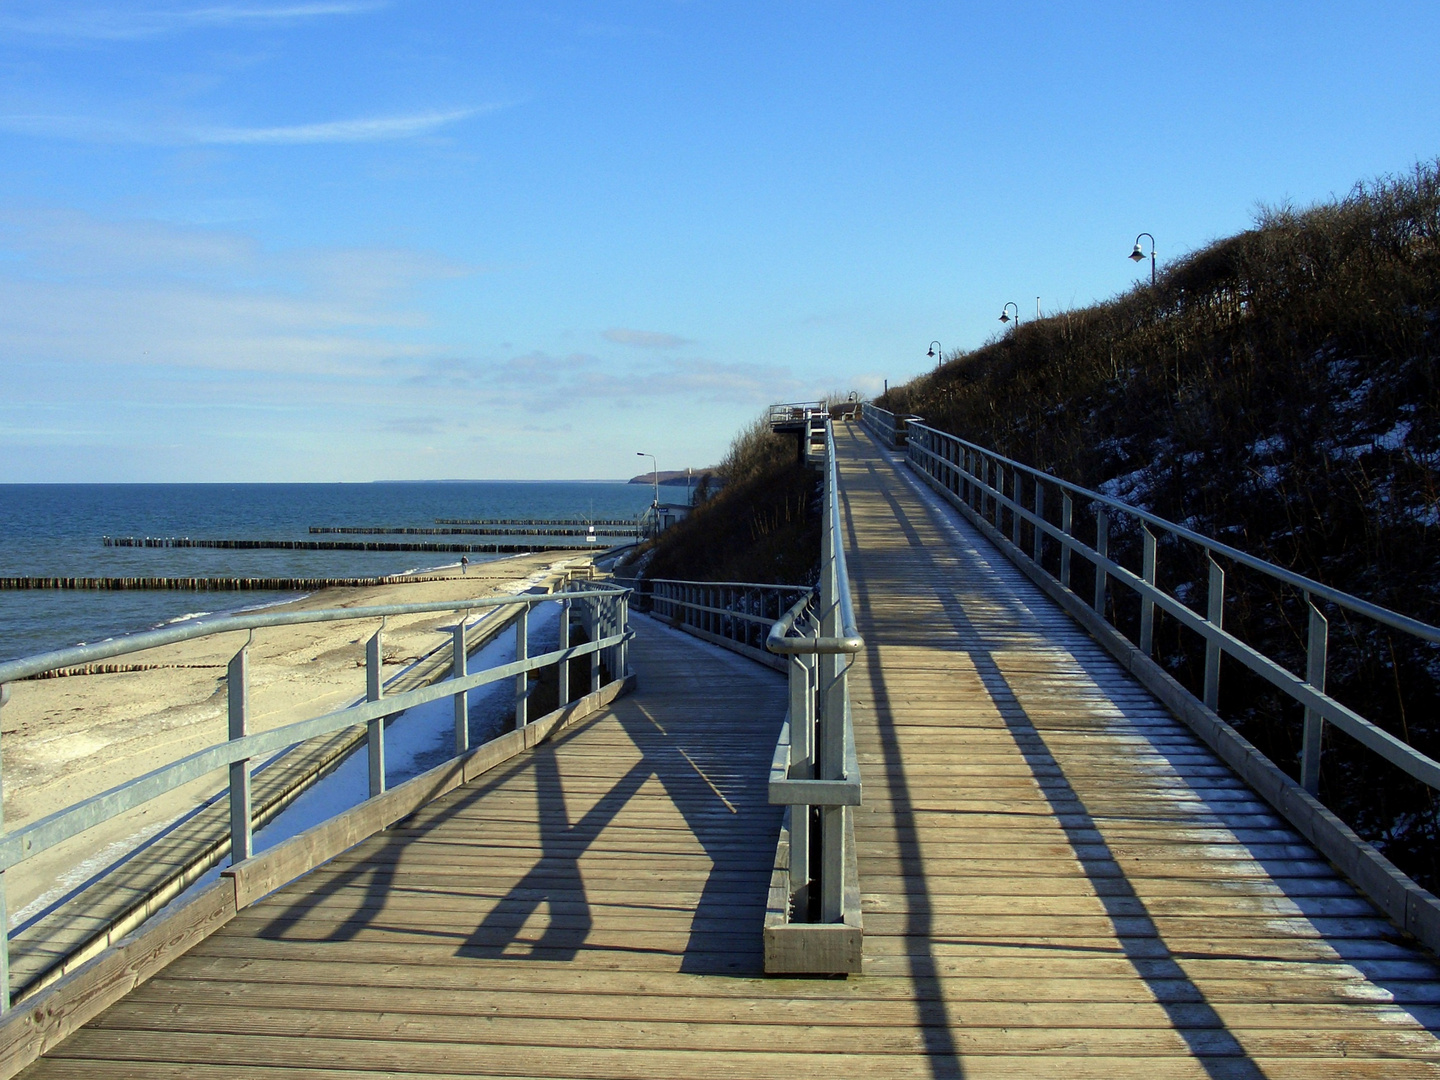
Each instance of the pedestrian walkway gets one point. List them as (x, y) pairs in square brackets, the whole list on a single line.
[(1058, 880)]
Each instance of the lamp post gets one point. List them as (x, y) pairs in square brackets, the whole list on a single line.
[(937, 352), (654, 475), (1139, 256), (1005, 317)]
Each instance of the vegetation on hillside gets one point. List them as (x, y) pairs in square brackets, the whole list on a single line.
[(761, 526), (1278, 391)]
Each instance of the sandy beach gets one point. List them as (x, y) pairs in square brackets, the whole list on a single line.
[(66, 739)]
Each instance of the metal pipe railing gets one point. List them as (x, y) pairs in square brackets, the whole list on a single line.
[(972, 477), (816, 769), (731, 611), (604, 609)]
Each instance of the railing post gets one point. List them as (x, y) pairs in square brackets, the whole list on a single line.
[(1015, 510), (1102, 548), (562, 673), (4, 907), (831, 736), (622, 626), (997, 481), (375, 729), (1317, 645), (1039, 519), (1147, 605), (522, 652), (593, 608), (462, 699), (1215, 614), (1067, 522), (802, 764), (237, 693)]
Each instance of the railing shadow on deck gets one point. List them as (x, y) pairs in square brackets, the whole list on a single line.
[(1135, 929), (723, 807)]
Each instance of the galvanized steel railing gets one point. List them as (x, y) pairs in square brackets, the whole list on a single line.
[(816, 770), (794, 411), (729, 613), (887, 426), (604, 612), (992, 488)]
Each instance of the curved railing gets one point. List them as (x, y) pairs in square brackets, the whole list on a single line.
[(603, 607), (732, 614)]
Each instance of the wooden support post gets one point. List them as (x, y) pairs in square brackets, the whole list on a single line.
[(375, 729), (1317, 645), (237, 693), (1215, 615)]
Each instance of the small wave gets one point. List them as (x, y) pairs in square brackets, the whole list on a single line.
[(184, 618), (288, 599)]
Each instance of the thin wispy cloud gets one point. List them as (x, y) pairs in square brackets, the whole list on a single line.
[(644, 339), (128, 23), (540, 383), (356, 130), (370, 129)]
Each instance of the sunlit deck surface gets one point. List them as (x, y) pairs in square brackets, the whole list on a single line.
[(1059, 880)]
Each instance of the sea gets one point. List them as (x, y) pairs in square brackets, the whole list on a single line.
[(57, 530)]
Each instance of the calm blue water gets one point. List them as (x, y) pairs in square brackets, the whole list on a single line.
[(56, 529)]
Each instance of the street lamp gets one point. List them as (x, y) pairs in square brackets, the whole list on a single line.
[(1004, 316), (654, 475), (937, 352), (1139, 256)]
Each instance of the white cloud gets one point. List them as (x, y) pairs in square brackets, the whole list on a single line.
[(77, 290), (644, 339), (361, 129), (370, 129), (540, 382), (133, 22)]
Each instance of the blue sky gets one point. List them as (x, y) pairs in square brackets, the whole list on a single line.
[(331, 240)]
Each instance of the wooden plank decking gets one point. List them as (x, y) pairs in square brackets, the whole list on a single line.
[(1059, 881)]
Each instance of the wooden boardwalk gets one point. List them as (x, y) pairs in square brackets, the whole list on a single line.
[(1058, 880)]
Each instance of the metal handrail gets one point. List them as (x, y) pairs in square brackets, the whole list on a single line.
[(27, 666), (816, 770), (794, 410), (734, 615), (1335, 596), (605, 608), (849, 639), (960, 470)]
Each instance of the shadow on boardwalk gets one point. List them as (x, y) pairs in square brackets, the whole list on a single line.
[(706, 774)]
